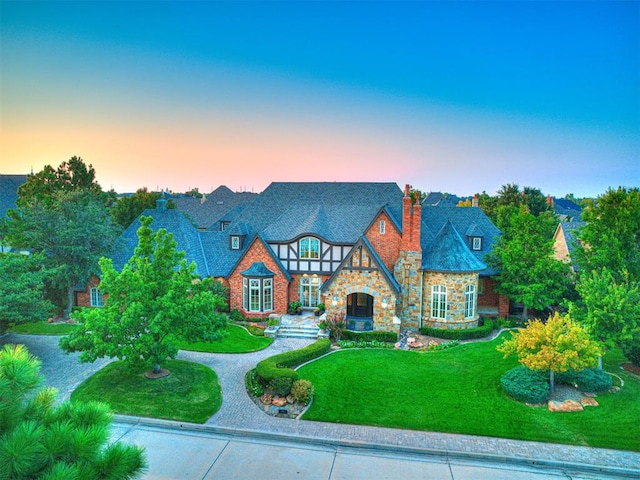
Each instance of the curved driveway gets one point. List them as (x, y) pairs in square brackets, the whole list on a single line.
[(239, 414)]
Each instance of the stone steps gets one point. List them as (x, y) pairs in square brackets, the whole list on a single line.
[(298, 332)]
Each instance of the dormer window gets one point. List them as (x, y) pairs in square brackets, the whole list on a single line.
[(309, 248), (476, 243), (235, 242)]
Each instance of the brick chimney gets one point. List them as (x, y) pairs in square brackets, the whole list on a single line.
[(411, 218), (474, 202), (550, 202)]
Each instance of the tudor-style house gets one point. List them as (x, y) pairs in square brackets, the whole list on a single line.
[(369, 250)]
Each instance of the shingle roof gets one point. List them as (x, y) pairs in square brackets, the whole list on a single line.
[(464, 220), (9, 185), (569, 230), (568, 209), (206, 211), (258, 269), (174, 222), (450, 253), (336, 211)]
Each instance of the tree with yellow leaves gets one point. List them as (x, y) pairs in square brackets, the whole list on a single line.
[(558, 345)]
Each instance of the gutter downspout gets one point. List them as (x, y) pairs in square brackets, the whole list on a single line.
[(421, 302)]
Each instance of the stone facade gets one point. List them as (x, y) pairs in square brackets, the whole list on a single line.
[(456, 284), (407, 272)]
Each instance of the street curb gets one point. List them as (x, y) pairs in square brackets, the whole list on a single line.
[(621, 472)]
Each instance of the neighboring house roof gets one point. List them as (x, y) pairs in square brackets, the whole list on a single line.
[(567, 210), (433, 199), (336, 211), (450, 253), (467, 222), (569, 229), (209, 209), (9, 185)]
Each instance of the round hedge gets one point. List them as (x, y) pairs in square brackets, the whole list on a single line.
[(526, 385)]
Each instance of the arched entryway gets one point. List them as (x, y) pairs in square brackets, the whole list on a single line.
[(359, 311)]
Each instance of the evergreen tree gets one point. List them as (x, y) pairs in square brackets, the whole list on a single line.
[(42, 440)]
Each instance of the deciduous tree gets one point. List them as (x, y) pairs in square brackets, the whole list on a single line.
[(155, 301), (528, 272), (558, 345), (127, 209), (42, 440)]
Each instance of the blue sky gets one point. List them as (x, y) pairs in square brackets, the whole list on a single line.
[(448, 96)]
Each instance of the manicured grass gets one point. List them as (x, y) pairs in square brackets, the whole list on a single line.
[(458, 391), (44, 328), (191, 393), (238, 341)]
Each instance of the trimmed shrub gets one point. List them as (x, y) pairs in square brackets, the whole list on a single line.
[(282, 365), (526, 385), (587, 380), (378, 335), (632, 352), (252, 384), (236, 316), (281, 385), (302, 391), (461, 334)]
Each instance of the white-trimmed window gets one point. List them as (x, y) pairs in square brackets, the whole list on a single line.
[(96, 297), (257, 294), (476, 243), (267, 294), (383, 227), (470, 301), (245, 293), (439, 301), (235, 242), (309, 247)]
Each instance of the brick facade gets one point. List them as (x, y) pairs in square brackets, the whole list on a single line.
[(387, 244), (258, 252), (83, 297)]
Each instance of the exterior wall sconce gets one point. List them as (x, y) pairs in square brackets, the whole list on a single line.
[(334, 301), (385, 303)]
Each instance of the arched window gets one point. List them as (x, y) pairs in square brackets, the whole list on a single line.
[(439, 301), (309, 247), (470, 301)]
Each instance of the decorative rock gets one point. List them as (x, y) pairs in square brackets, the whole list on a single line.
[(266, 398), (614, 389), (279, 401), (589, 402), (567, 406), (290, 399)]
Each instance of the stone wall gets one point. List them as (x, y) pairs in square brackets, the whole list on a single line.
[(407, 272), (456, 284), (370, 282)]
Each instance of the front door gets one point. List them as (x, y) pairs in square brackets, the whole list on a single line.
[(310, 291), (360, 305)]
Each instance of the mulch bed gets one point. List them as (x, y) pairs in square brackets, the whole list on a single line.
[(631, 368)]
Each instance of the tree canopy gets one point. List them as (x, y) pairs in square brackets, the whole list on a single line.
[(71, 230), (511, 198), (153, 303), (127, 209), (22, 279), (558, 345), (42, 440), (528, 272)]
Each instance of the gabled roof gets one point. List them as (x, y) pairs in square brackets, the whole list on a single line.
[(209, 209), (464, 220), (247, 247), (567, 209), (9, 185), (450, 253), (363, 242), (569, 230), (336, 211)]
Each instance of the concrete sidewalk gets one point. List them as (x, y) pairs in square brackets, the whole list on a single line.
[(239, 416)]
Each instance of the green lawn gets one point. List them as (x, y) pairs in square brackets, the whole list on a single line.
[(191, 393), (458, 391), (238, 341), (44, 328)]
